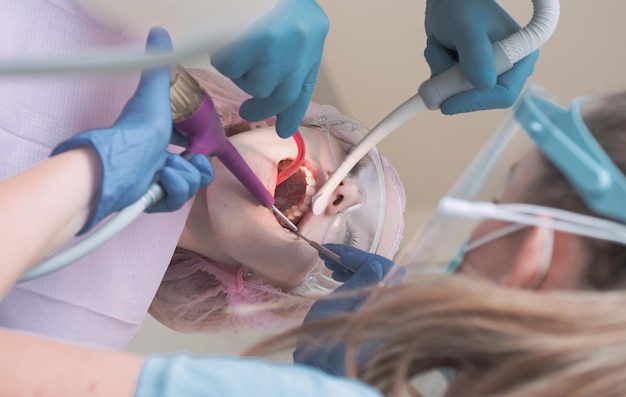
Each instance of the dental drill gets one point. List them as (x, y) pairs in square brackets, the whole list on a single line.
[(194, 116)]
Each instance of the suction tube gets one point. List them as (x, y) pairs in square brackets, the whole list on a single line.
[(433, 92), (507, 52)]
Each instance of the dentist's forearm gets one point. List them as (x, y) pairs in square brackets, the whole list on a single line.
[(34, 366), (43, 207)]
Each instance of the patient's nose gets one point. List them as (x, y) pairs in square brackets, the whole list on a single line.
[(346, 195)]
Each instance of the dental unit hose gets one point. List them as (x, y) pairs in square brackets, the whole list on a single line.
[(194, 117), (436, 90)]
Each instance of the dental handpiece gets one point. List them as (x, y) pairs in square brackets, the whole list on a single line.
[(195, 117)]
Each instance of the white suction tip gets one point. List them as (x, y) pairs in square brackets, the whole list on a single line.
[(320, 201)]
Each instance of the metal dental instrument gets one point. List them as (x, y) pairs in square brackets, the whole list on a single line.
[(319, 247)]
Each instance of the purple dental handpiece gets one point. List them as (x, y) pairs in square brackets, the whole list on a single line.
[(197, 120)]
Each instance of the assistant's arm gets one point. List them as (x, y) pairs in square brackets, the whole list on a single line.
[(36, 366), (33, 366)]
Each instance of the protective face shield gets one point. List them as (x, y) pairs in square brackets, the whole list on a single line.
[(482, 209), (361, 224)]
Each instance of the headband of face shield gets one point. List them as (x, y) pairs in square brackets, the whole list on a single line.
[(359, 225), (537, 122)]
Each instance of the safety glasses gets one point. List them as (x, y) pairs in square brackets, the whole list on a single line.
[(360, 224)]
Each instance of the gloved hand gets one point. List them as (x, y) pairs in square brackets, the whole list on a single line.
[(183, 375), (366, 270), (461, 31), (181, 180), (276, 60), (133, 151)]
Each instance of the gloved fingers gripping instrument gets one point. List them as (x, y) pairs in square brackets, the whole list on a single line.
[(434, 91), (196, 119)]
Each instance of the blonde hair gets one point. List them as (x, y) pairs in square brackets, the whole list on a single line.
[(508, 342)]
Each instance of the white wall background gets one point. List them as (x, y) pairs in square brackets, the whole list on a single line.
[(373, 61)]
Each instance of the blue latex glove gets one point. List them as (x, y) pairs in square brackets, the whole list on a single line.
[(461, 31), (133, 151), (183, 375), (369, 270), (276, 60), (181, 180)]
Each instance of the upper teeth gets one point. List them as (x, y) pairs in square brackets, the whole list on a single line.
[(295, 212)]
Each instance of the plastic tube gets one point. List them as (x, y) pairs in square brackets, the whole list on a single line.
[(507, 52), (434, 91), (97, 238), (125, 217), (214, 35), (396, 118)]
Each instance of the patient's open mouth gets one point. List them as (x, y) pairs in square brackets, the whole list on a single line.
[(293, 196)]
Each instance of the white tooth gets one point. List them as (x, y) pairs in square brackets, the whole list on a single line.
[(310, 181), (306, 172), (304, 208), (310, 190), (307, 200), (288, 212), (297, 212)]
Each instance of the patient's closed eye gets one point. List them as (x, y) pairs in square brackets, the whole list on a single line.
[(351, 237), (358, 167)]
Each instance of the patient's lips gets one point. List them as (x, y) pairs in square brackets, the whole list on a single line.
[(293, 196)]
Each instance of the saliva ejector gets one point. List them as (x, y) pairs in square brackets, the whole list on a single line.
[(433, 92)]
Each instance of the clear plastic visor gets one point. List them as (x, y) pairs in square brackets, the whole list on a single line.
[(360, 224), (489, 204)]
